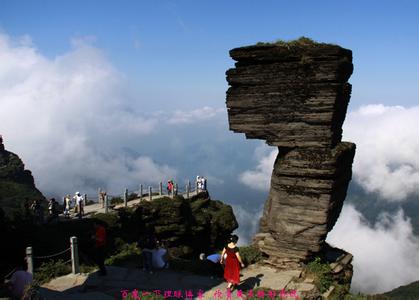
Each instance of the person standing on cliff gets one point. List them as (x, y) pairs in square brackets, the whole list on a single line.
[(67, 206), (38, 213), (52, 209), (169, 187), (79, 204), (233, 262)]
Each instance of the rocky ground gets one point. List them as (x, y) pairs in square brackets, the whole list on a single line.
[(120, 280)]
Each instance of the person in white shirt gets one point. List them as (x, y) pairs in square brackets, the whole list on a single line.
[(79, 203)]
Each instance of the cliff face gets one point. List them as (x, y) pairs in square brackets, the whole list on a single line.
[(295, 97), (191, 226), (16, 183)]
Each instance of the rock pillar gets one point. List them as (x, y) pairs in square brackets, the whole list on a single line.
[(295, 96)]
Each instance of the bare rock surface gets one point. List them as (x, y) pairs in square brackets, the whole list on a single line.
[(92, 286), (295, 96)]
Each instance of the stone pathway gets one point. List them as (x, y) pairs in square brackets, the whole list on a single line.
[(92, 286)]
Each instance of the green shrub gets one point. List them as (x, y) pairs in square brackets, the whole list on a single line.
[(116, 200), (132, 196), (299, 43), (322, 274), (193, 266), (250, 255), (126, 252), (50, 270), (111, 219)]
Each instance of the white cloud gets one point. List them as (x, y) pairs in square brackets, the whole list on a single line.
[(260, 177), (248, 223), (386, 159), (386, 255), (70, 117), (200, 114)]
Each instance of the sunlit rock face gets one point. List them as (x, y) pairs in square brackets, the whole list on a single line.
[(295, 96)]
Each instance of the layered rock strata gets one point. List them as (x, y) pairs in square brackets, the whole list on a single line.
[(295, 96)]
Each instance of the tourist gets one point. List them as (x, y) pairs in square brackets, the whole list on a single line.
[(102, 196), (52, 210), (160, 256), (67, 206), (212, 264), (20, 281), (174, 187), (38, 213), (79, 204), (100, 247), (147, 243), (233, 262), (169, 187), (204, 183), (198, 183)]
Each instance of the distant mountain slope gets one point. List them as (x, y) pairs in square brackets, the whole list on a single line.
[(370, 205), (16, 183), (405, 292)]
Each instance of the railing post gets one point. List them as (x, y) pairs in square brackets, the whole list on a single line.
[(99, 200), (29, 259), (150, 196), (196, 187), (161, 188), (126, 197), (187, 191), (106, 204), (84, 200), (189, 185), (74, 255), (141, 192), (173, 191), (176, 189)]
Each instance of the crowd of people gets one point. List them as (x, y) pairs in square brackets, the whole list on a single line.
[(37, 210)]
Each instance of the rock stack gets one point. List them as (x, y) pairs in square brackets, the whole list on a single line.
[(295, 95)]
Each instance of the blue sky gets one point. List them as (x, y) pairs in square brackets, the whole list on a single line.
[(112, 94), (175, 53)]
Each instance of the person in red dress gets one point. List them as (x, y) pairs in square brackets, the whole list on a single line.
[(233, 262)]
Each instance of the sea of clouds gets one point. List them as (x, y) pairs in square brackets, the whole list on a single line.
[(76, 123)]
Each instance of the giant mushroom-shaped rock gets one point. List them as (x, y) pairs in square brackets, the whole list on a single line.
[(295, 95)]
